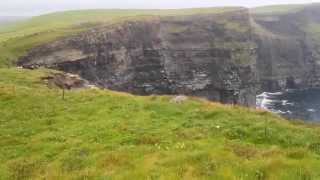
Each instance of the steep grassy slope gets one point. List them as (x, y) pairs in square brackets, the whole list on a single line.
[(303, 18), (277, 9), (288, 40), (206, 55), (16, 39), (99, 134)]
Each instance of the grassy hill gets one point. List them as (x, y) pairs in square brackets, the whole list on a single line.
[(100, 134), (16, 39), (300, 18), (277, 9)]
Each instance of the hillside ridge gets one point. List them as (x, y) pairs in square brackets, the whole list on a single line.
[(261, 52), (98, 134)]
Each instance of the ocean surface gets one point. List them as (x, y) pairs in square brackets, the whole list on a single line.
[(292, 104)]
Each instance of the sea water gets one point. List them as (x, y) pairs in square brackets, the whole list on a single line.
[(292, 104)]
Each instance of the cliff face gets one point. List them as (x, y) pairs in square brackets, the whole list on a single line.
[(225, 57), (210, 56), (288, 49)]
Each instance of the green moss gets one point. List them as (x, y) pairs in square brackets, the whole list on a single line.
[(100, 134)]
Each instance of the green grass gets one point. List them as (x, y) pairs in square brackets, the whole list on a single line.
[(277, 9), (16, 39), (69, 19), (313, 30), (309, 24), (100, 134)]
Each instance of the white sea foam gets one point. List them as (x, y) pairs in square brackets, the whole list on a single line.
[(286, 102), (275, 93), (263, 95), (264, 101), (311, 110)]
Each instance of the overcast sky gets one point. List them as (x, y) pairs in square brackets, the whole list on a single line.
[(35, 7)]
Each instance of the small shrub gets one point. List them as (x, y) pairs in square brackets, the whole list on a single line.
[(207, 168), (22, 169), (260, 175), (303, 174), (147, 140), (235, 133), (245, 151), (75, 160), (205, 165), (114, 160), (297, 154), (315, 147), (271, 152)]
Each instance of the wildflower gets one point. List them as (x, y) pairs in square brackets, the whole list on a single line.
[(158, 146)]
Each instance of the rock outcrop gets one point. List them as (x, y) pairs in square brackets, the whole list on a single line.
[(211, 56), (65, 81)]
